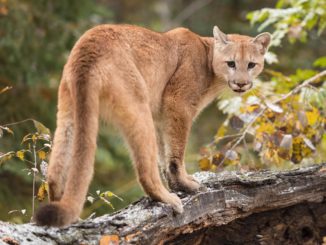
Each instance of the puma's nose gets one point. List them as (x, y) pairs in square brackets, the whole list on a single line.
[(240, 85)]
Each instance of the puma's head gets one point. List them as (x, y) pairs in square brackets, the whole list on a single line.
[(238, 59)]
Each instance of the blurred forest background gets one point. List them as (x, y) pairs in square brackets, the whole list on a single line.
[(35, 39)]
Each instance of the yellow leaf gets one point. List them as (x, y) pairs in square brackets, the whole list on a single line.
[(41, 155), (297, 149), (270, 156), (312, 116), (42, 191), (34, 138), (264, 128), (109, 194), (205, 164), (270, 114), (253, 108), (20, 155), (221, 131)]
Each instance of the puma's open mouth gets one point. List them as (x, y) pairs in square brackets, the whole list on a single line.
[(239, 90)]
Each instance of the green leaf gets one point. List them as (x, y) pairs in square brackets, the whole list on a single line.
[(320, 62), (205, 164), (41, 129), (279, 4)]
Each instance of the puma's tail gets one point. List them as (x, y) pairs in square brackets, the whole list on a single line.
[(54, 214), (85, 89)]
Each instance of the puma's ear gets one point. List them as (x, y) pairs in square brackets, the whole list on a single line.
[(263, 40), (219, 36)]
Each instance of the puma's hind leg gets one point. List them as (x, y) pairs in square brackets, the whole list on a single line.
[(61, 149)]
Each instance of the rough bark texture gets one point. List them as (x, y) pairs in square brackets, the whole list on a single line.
[(263, 207)]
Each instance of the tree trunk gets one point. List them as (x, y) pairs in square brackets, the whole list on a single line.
[(264, 207)]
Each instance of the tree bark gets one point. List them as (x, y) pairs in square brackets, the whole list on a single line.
[(264, 207)]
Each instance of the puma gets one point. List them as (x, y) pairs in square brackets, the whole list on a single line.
[(151, 86)]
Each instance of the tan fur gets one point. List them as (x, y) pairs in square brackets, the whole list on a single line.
[(151, 86)]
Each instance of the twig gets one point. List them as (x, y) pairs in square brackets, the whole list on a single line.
[(35, 166), (302, 85), (222, 138), (22, 121)]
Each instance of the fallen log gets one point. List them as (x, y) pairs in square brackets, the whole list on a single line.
[(264, 207)]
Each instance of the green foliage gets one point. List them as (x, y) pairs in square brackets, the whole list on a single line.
[(291, 18), (103, 197), (34, 152), (27, 53), (320, 62)]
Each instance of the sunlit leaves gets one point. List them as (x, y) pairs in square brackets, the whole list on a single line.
[(320, 62), (286, 129), (104, 197), (292, 19), (36, 149)]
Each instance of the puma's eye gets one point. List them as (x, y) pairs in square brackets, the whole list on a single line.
[(231, 64), (251, 65)]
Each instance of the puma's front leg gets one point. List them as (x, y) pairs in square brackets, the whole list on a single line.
[(177, 128)]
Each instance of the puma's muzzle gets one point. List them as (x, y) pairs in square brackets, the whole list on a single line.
[(240, 87)]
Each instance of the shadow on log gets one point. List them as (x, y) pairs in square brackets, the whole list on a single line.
[(262, 207)]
